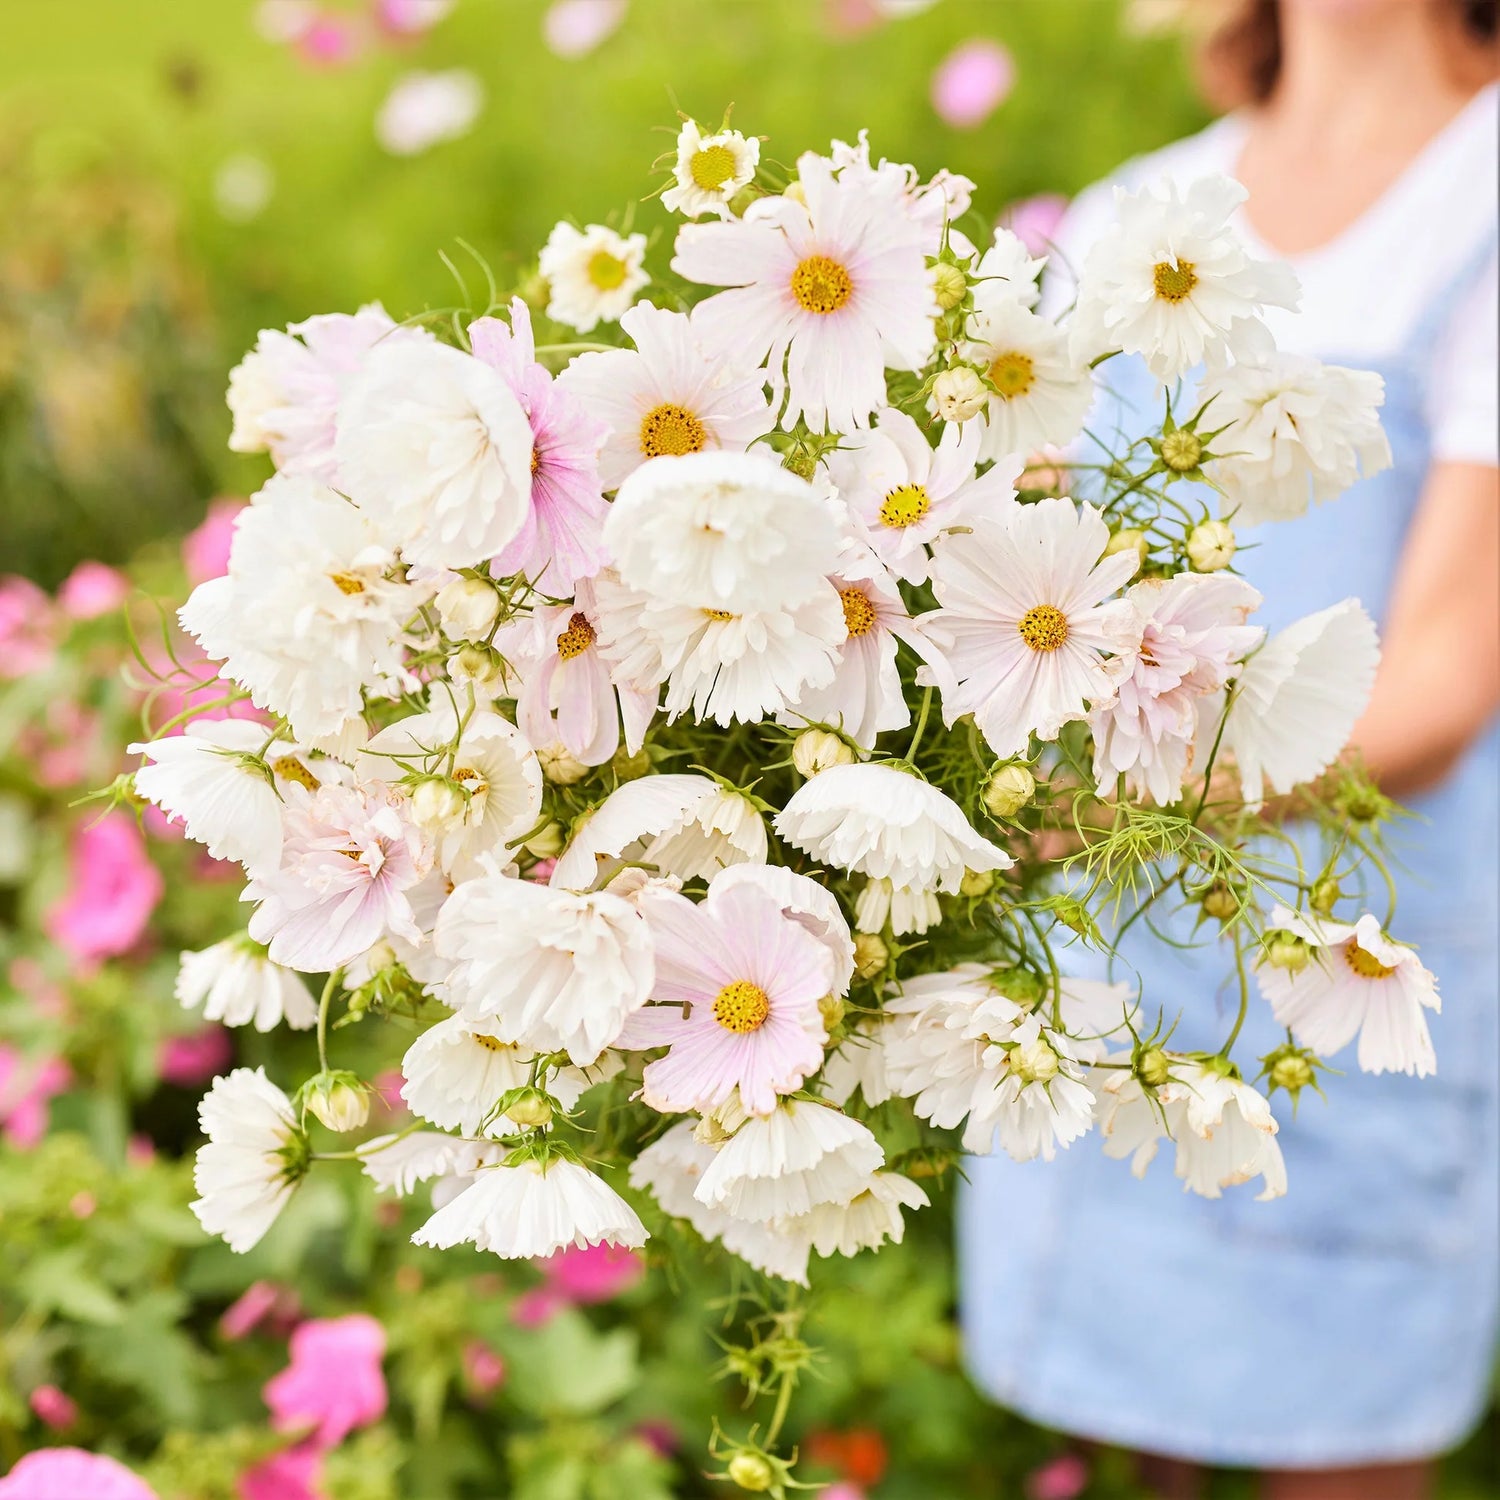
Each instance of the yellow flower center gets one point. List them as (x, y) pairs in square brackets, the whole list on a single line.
[(904, 506), (1174, 282), (673, 430), (472, 782), (576, 639), (289, 768), (821, 285), (1012, 373), (859, 613), (606, 271), (492, 1044), (1043, 628), (347, 583), (719, 614), (1366, 965), (536, 459), (712, 167), (742, 1007)]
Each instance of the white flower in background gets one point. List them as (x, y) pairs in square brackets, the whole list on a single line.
[(424, 109), (858, 1062), (1299, 433), (687, 826), (1007, 271), (1171, 281), (209, 777), (1298, 698), (1193, 636), (544, 967), (456, 1072), (877, 821), (593, 274), (671, 395), (574, 28), (833, 289), (398, 1163), (348, 861), (1022, 621), (1039, 392), (253, 1159), (234, 982), (1094, 1015), (477, 791), (902, 493), (805, 902), (243, 187), (1357, 983), (435, 447), (868, 1220), (907, 910), (730, 532), (532, 1210), (309, 615), (710, 170), (285, 393), (784, 1164)]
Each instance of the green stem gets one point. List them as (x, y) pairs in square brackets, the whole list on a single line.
[(783, 1406), (324, 1002), (1239, 1020), (916, 734)]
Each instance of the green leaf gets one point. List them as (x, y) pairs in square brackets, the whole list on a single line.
[(566, 1367), (61, 1283)]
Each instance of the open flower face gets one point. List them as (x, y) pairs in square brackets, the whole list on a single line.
[(593, 273)]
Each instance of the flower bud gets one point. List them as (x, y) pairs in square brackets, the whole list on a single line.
[(1009, 790), (1221, 902), (1325, 896), (1362, 804), (468, 608), (480, 665), (381, 956), (1181, 450), (1210, 546), (437, 804), (949, 285), (817, 750), (793, 190), (1035, 1063), (559, 765), (1019, 985), (870, 954), (1073, 915), (831, 1008), (548, 842), (976, 883), (1286, 951), (1290, 1070), (1153, 1067), (1128, 539), (959, 394), (530, 1110), (338, 1100), (751, 1472)]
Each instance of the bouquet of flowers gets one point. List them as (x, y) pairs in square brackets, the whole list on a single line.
[(720, 751)]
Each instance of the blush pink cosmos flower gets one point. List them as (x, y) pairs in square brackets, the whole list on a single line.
[(92, 589), (334, 1382), (572, 28), (410, 18), (191, 1060), (29, 627), (69, 1474), (205, 549), (52, 1407), (113, 889), (1034, 220), (293, 1474), (559, 542), (971, 83)]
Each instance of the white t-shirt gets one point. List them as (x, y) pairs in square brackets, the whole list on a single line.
[(1365, 292)]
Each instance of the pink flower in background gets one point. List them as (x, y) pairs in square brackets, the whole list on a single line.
[(659, 1435), (293, 1474), (1034, 221), (72, 1474), (484, 1370), (47, 997), (841, 1489), (410, 18), (25, 1089), (334, 1382), (140, 1150), (62, 744), (971, 83), (53, 1407), (92, 589), (113, 890), (330, 41), (240, 1318), (572, 28), (205, 549), (191, 1060), (29, 627), (577, 1277), (850, 17), (1061, 1478)]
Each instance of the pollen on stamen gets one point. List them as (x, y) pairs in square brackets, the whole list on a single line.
[(670, 430), (347, 583), (711, 167), (492, 1044), (606, 271), (904, 506), (821, 285), (1043, 628), (742, 1007), (1174, 282), (1365, 964), (577, 638), (1012, 374), (859, 613)]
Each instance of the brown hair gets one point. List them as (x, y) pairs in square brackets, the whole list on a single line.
[(1239, 58)]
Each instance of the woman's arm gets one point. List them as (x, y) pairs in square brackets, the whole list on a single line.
[(1439, 678)]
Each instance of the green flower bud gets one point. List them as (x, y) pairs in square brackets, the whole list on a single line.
[(338, 1100), (976, 883), (1128, 539), (817, 750), (1285, 950), (831, 1008), (1325, 896), (629, 767), (751, 1471), (560, 766), (949, 285), (478, 664), (437, 804), (1153, 1067), (1181, 450), (1221, 902), (1009, 790), (870, 954), (1210, 546), (530, 1110), (1291, 1071)]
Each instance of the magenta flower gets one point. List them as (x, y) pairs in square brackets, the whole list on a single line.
[(334, 1382), (410, 18), (205, 549), (191, 1060), (53, 1407), (971, 83), (29, 627), (1061, 1478), (1034, 220), (292, 1474), (113, 890), (69, 1474), (25, 1090), (329, 41), (92, 589), (597, 1273), (484, 1370), (559, 542), (242, 1315)]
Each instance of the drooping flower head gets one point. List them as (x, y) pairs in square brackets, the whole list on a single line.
[(236, 983)]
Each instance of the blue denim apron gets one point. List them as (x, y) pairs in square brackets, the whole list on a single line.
[(1353, 1320)]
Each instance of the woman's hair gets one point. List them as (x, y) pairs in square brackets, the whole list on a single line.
[(1239, 58)]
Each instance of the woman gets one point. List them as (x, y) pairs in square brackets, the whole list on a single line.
[(1340, 1337)]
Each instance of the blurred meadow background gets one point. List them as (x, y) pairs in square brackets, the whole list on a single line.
[(176, 175)]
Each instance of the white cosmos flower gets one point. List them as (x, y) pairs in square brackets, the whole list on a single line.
[(906, 909), (709, 171), (532, 1210), (285, 393), (456, 1072), (398, 1163), (544, 967), (868, 1220), (592, 274), (687, 826), (1298, 698), (783, 1164), (236, 983), (832, 289), (253, 1159), (877, 821), (424, 109), (489, 794), (208, 777), (1007, 271), (1040, 392), (1299, 432), (1171, 281), (1193, 636), (1022, 623), (805, 902), (858, 1062), (309, 615), (730, 532), (902, 493), (435, 448), (934, 204), (1358, 983)]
